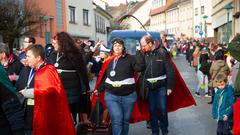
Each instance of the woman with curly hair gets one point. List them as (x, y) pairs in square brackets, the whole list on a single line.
[(71, 68)]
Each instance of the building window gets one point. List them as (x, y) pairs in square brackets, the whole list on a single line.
[(59, 14), (100, 24), (85, 17), (202, 10), (196, 11), (72, 14)]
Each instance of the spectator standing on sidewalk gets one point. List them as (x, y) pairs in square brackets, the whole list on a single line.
[(222, 109), (218, 66)]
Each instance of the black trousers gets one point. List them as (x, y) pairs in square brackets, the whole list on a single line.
[(223, 128)]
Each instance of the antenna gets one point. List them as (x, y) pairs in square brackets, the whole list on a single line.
[(128, 15)]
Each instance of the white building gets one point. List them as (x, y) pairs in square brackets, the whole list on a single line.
[(202, 8), (102, 23), (80, 19), (236, 19), (222, 28)]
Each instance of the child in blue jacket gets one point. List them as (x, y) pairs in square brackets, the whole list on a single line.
[(222, 108)]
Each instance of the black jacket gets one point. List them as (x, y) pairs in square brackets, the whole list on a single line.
[(157, 64), (14, 65), (205, 64), (125, 68), (71, 80), (11, 113), (23, 79), (20, 85)]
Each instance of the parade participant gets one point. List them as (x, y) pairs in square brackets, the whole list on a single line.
[(234, 50), (28, 40), (104, 55), (222, 109), (70, 65), (25, 81), (48, 50), (87, 48), (51, 112), (11, 113), (161, 84), (236, 117), (117, 78), (10, 62)]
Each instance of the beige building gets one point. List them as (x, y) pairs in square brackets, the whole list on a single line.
[(236, 17), (172, 19), (222, 20), (158, 15), (173, 16), (185, 9)]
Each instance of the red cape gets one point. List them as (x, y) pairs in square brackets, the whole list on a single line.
[(236, 117), (180, 97), (51, 110)]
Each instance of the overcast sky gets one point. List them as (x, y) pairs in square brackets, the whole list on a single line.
[(115, 2)]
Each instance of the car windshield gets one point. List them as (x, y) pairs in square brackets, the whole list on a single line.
[(131, 44)]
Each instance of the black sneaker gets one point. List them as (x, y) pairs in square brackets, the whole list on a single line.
[(210, 102), (148, 124)]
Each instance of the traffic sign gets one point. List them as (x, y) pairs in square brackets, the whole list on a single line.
[(200, 33)]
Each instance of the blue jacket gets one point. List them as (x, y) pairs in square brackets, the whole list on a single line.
[(223, 103)]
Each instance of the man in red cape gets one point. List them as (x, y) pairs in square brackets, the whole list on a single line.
[(51, 111)]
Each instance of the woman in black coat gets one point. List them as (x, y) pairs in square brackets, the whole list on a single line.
[(71, 67)]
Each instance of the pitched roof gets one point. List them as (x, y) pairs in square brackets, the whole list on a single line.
[(122, 10), (174, 5), (136, 7), (158, 10)]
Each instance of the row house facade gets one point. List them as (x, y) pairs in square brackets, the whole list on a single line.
[(202, 18), (158, 15), (174, 17), (72, 16), (236, 17), (185, 11), (80, 19), (52, 21), (102, 24), (222, 20)]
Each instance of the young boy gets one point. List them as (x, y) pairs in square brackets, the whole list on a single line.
[(222, 108)]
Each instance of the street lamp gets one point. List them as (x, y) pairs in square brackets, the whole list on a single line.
[(205, 26), (228, 8)]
